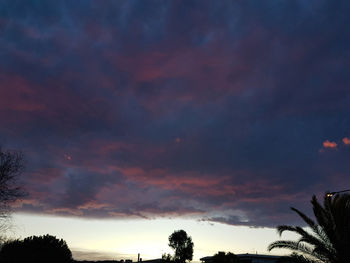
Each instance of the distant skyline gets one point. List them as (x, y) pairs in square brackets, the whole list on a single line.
[(217, 112)]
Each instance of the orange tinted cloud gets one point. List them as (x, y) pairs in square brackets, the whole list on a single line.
[(329, 144), (346, 141)]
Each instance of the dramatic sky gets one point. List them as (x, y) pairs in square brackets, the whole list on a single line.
[(222, 112)]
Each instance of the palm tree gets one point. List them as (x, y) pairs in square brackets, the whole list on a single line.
[(328, 239)]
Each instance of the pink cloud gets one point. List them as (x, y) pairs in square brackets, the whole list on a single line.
[(197, 185), (346, 141), (329, 144), (209, 70), (45, 175), (18, 95), (94, 205)]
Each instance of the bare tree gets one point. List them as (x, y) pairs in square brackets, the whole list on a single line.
[(11, 166)]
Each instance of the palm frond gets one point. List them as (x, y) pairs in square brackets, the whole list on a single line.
[(298, 247), (322, 246), (307, 219), (293, 245), (329, 238), (317, 230)]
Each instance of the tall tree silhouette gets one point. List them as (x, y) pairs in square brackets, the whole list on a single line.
[(38, 249), (183, 246), (329, 238), (11, 166)]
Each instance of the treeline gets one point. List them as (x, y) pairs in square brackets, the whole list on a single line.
[(38, 249)]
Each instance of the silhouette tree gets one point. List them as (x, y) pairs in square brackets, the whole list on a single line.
[(167, 258), (183, 246), (11, 166), (37, 249), (329, 239), (221, 257)]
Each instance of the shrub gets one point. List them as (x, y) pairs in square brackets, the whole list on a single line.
[(37, 249)]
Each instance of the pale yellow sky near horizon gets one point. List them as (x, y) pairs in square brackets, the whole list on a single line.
[(124, 239)]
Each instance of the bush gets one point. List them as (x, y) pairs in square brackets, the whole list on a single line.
[(38, 249)]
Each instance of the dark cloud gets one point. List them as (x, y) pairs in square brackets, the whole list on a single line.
[(216, 110)]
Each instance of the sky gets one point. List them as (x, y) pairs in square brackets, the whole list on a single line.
[(152, 116)]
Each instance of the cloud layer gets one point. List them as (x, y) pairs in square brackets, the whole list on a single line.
[(226, 111)]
